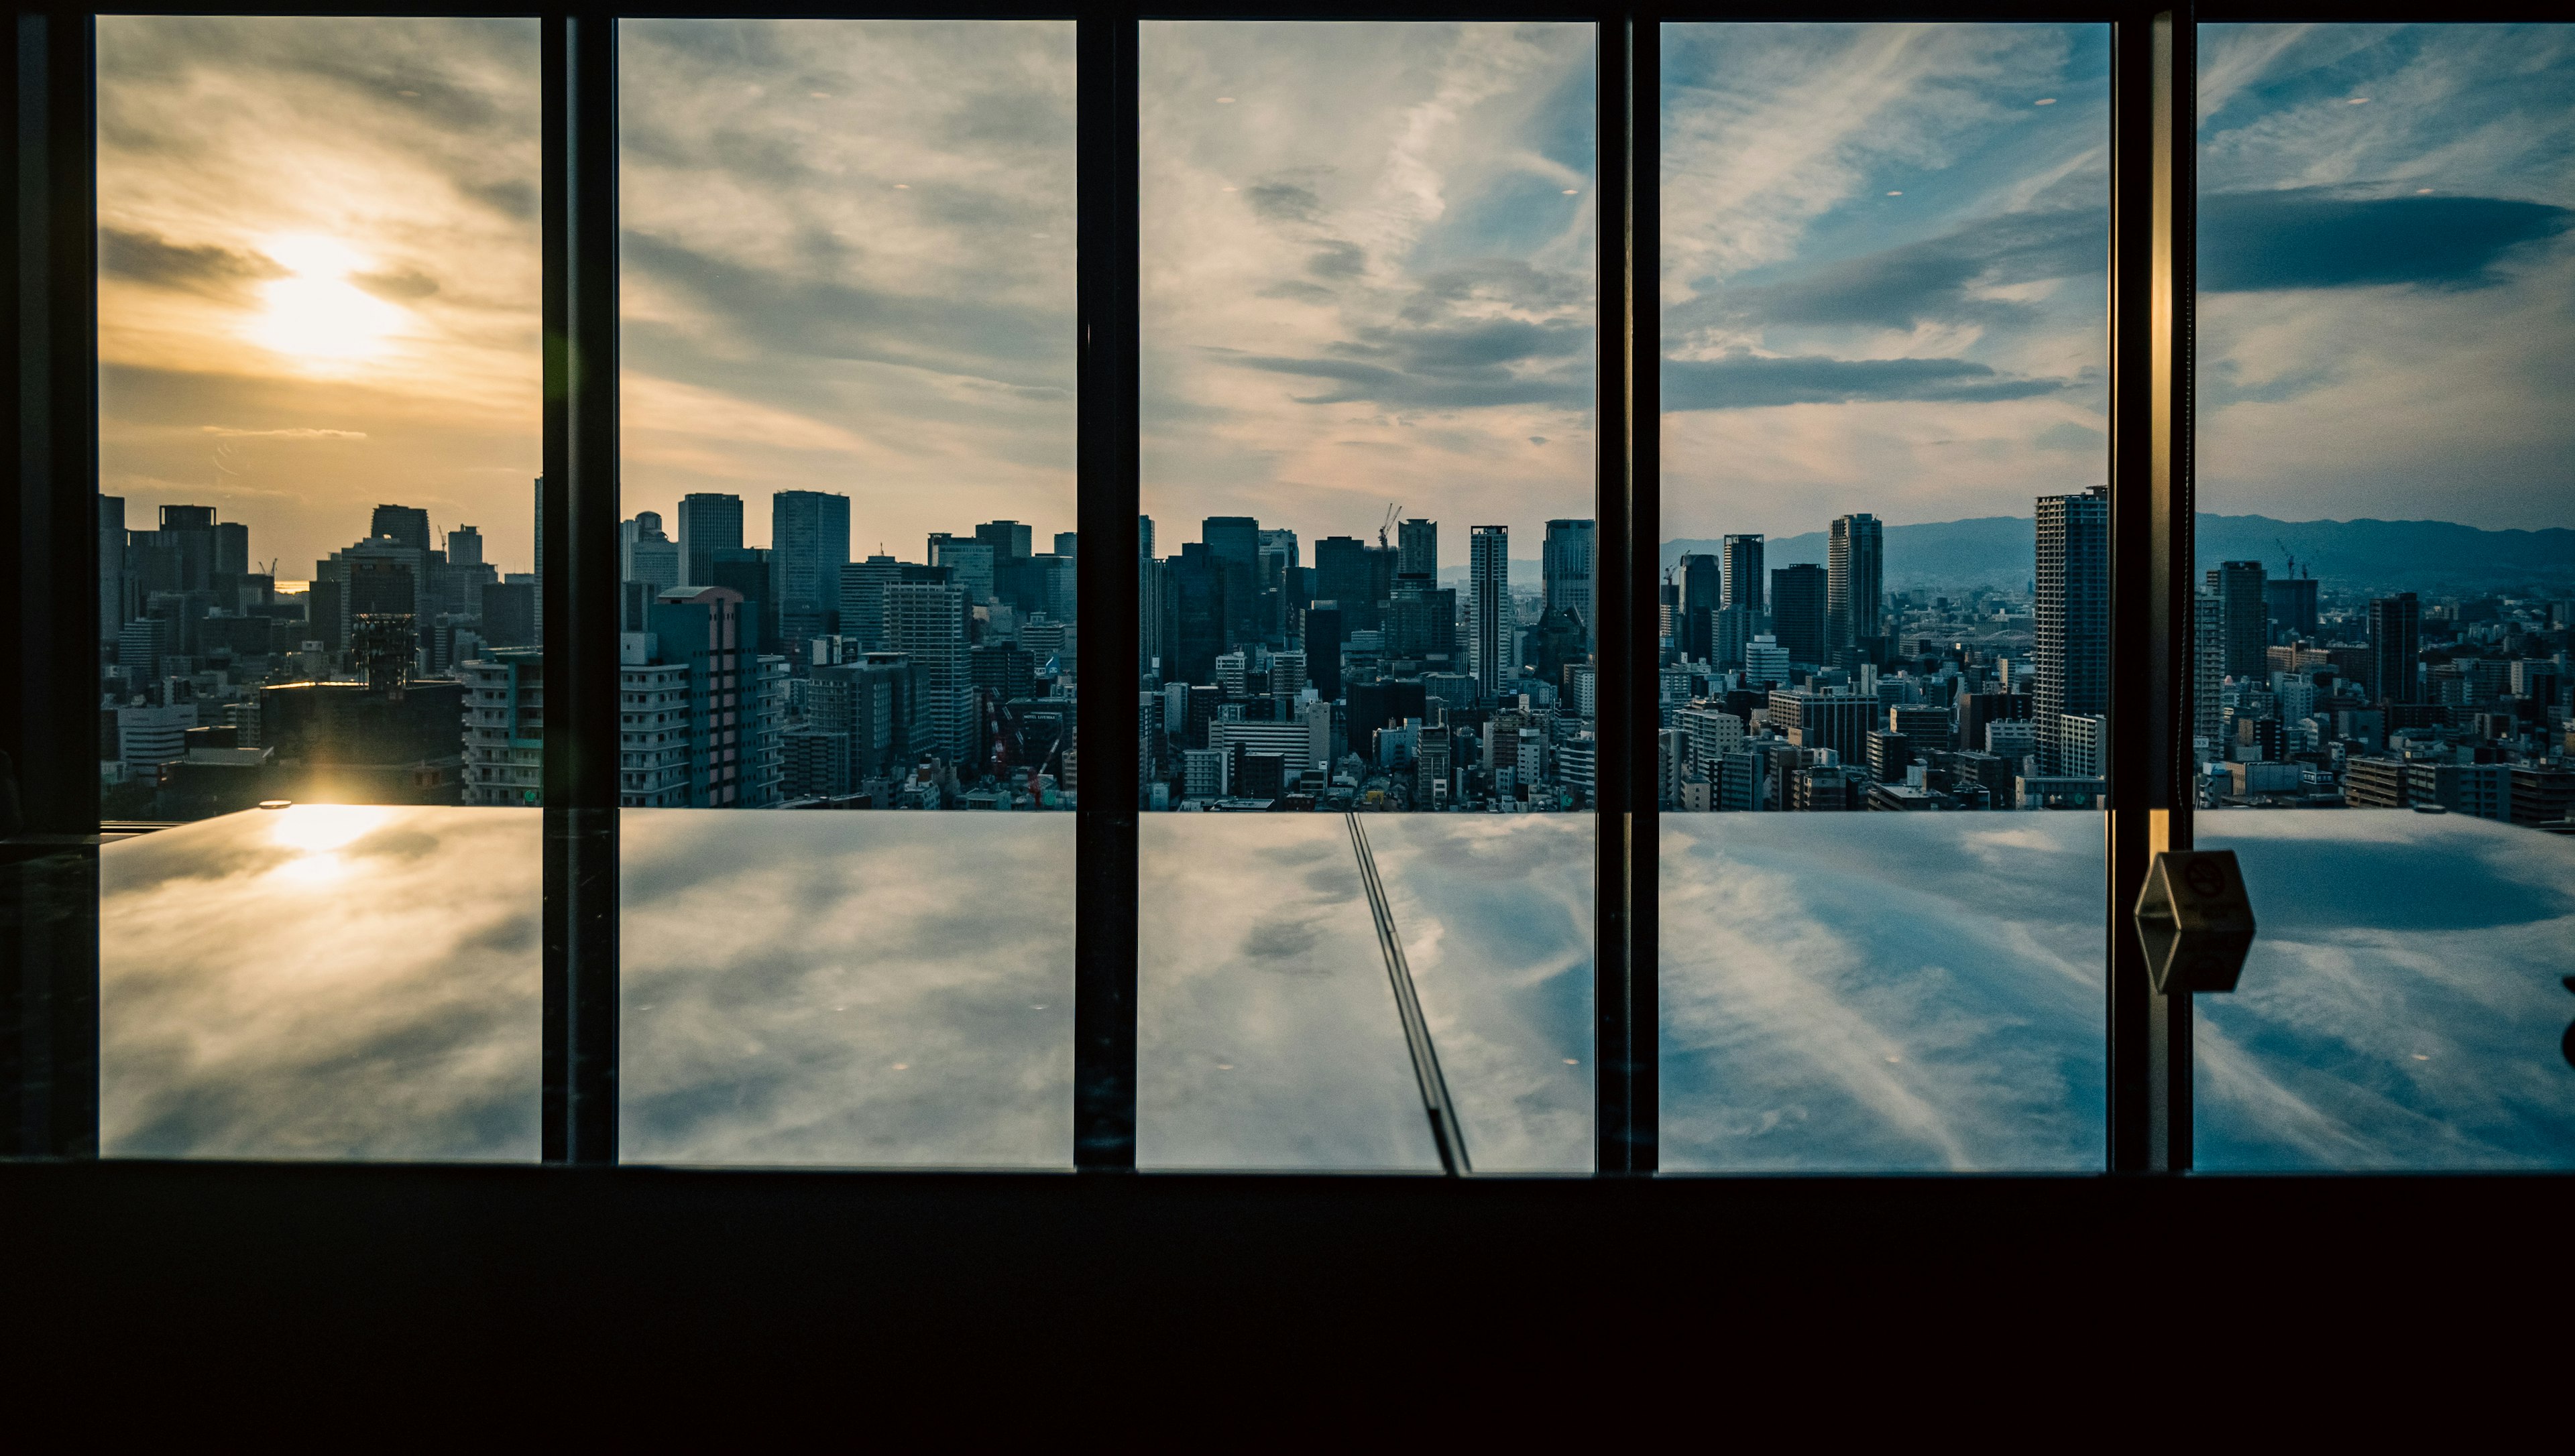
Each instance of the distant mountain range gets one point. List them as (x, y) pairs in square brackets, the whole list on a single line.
[(2001, 551)]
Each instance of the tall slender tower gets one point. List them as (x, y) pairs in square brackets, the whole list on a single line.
[(2395, 637), (1488, 606), (2244, 617), (1856, 581), (2071, 647), (1741, 555), (709, 523), (809, 532), (1566, 570)]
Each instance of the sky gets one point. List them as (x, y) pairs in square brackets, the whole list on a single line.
[(319, 276), (1885, 272), (2387, 273), (1366, 273)]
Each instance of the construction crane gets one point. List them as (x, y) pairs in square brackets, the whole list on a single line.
[(2291, 560), (1393, 515)]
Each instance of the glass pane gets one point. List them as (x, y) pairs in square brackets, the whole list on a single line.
[(848, 323), (1368, 302), (2384, 424), (318, 336), (1886, 589)]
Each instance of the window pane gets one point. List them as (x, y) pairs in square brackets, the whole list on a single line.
[(1886, 588), (319, 421), (2384, 424), (848, 347), (1369, 352)]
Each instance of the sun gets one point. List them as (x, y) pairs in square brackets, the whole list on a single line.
[(315, 315)]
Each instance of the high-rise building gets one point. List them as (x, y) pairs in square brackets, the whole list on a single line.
[(1798, 612), (1855, 585), (1417, 548), (2244, 617), (970, 561), (1233, 543), (1835, 719), (927, 611), (1701, 578), (1144, 538), (808, 538), (2207, 673), (862, 604), (1342, 569), (1566, 570), (646, 554), (537, 570), (1741, 563), (505, 728), (709, 523), (1488, 608), (2070, 621), (1010, 539), (2395, 640), (2291, 602), (404, 524), (116, 602), (752, 573), (733, 701), (465, 547)]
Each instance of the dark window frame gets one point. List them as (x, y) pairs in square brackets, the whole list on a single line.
[(49, 964)]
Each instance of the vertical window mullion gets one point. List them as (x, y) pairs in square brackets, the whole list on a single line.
[(1624, 942), (577, 582), (48, 666), (1110, 412), (2151, 241)]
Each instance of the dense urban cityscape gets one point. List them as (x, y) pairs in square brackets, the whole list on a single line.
[(1374, 677)]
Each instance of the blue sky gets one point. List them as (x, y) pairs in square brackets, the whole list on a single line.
[(1883, 271), (2387, 300)]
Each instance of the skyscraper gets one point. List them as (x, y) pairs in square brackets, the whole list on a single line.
[(1740, 561), (407, 525), (1417, 548), (1798, 612), (2072, 619), (2208, 671), (808, 534), (538, 568), (1488, 608), (926, 614), (2244, 617), (115, 599), (709, 523), (1234, 543), (1565, 567), (972, 560), (862, 604), (1702, 595), (2395, 638), (1856, 590), (646, 554), (1341, 577)]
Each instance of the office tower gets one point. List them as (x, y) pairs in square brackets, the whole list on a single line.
[(970, 561), (232, 549), (926, 612), (405, 525), (1233, 543), (752, 573), (809, 539), (1323, 649), (1798, 612), (2395, 640), (862, 603), (1855, 585), (1341, 577), (1196, 634), (733, 701), (1740, 561), (2291, 602), (1837, 721), (115, 599), (1701, 578), (708, 524), (1417, 548), (1731, 632), (1154, 616), (646, 554), (1488, 609), (2208, 673), (465, 547), (2070, 621), (1144, 538), (1066, 541), (1010, 539), (509, 614), (1565, 568), (177, 556), (2244, 617)]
